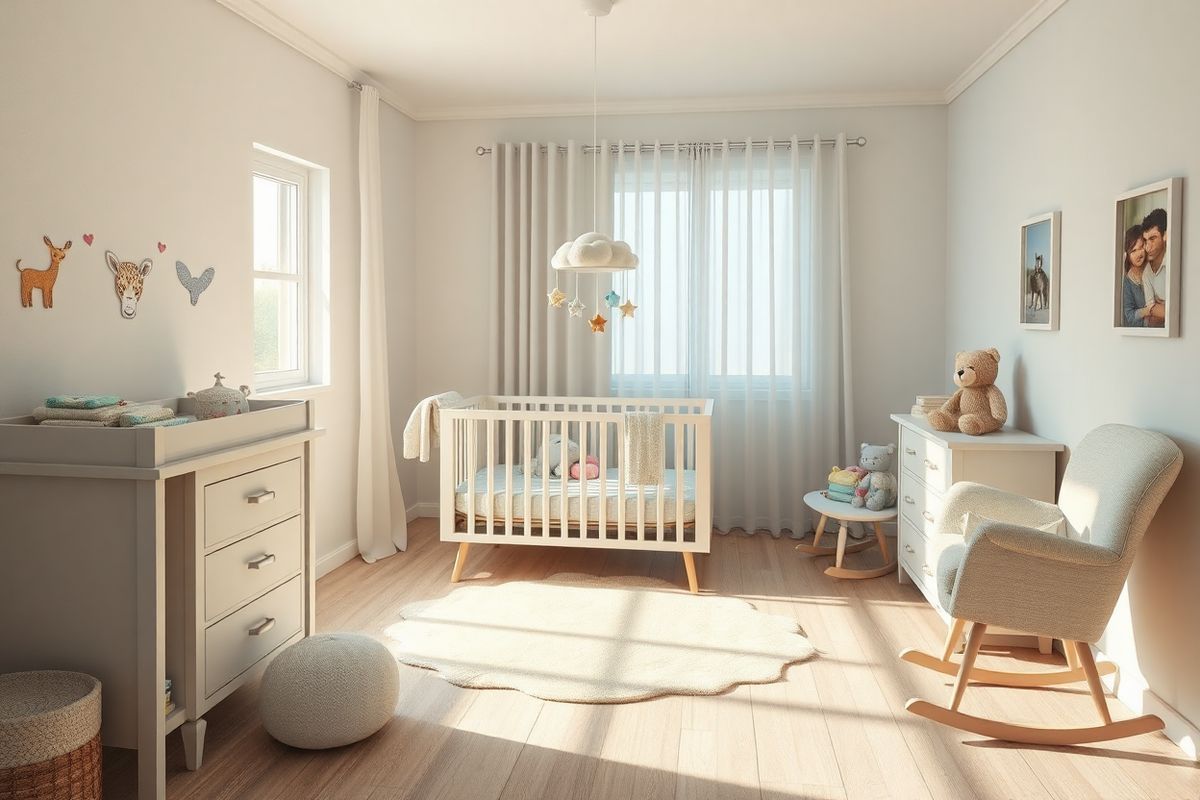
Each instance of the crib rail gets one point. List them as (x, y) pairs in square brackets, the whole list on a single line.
[(489, 450)]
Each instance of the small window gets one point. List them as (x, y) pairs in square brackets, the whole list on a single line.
[(290, 268)]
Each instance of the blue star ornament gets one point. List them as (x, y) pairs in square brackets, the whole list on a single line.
[(612, 299)]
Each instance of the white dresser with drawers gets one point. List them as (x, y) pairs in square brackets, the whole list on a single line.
[(140, 555), (932, 461)]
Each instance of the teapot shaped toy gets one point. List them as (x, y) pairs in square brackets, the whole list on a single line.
[(221, 401)]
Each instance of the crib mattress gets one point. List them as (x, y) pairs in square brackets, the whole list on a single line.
[(531, 486)]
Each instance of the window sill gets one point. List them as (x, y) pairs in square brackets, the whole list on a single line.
[(301, 392)]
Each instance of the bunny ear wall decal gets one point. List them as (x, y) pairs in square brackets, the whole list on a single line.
[(196, 285)]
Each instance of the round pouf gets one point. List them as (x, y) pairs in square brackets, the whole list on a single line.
[(49, 736), (329, 690)]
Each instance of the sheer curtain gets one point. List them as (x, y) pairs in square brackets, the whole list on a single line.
[(741, 297), (541, 196), (382, 518)]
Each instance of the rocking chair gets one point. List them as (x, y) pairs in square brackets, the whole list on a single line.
[(1010, 573)]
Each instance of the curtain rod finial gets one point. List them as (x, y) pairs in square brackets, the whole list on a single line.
[(481, 150)]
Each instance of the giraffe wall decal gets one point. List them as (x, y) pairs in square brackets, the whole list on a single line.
[(128, 280)]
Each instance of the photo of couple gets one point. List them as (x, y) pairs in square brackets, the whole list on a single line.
[(1147, 260), (1145, 264)]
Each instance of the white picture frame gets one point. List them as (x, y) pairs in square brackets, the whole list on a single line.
[(1139, 204), (1039, 272)]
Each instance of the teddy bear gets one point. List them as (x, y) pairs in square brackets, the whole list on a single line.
[(877, 489), (978, 406)]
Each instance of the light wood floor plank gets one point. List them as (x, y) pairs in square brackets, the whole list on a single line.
[(835, 726)]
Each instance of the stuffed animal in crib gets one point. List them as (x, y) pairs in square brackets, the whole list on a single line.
[(877, 489), (552, 460), (978, 406), (593, 468)]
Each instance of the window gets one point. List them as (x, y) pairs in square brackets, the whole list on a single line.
[(723, 283), (290, 269)]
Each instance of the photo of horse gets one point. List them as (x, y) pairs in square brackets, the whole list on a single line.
[(1039, 272)]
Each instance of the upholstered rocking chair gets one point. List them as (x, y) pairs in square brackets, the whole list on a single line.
[(1009, 571)]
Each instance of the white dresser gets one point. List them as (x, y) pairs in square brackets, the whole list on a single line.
[(932, 461), (144, 554)]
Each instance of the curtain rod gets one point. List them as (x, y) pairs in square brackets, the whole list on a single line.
[(858, 141)]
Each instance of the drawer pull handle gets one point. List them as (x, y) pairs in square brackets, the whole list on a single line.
[(262, 627), (925, 568), (266, 496), (927, 516), (908, 548), (929, 464), (910, 451), (261, 561), (909, 500)]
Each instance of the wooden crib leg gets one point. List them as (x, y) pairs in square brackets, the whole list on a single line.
[(460, 561), (689, 563)]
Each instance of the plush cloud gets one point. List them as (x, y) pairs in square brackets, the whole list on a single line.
[(594, 250)]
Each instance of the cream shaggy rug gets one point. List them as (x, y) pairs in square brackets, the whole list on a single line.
[(582, 639)]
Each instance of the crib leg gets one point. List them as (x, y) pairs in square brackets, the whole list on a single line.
[(689, 563), (460, 561)]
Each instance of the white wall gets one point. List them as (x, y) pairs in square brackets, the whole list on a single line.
[(134, 121), (897, 210), (1098, 100)]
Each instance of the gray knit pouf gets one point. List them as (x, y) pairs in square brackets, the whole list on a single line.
[(329, 690)]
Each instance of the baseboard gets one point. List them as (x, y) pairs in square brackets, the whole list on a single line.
[(338, 556), (1133, 692), (423, 510)]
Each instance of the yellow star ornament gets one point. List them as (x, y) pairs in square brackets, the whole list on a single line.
[(597, 323), (556, 297), (627, 308)]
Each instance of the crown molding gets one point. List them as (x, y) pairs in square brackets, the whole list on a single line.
[(255, 13), (1026, 25), (284, 31), (693, 105)]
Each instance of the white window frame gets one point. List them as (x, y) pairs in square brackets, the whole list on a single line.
[(312, 268)]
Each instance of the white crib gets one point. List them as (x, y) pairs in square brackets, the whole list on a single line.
[(489, 497)]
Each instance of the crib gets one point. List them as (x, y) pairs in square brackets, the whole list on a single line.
[(491, 494)]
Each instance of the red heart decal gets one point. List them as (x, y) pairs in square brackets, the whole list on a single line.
[(161, 247), (87, 239)]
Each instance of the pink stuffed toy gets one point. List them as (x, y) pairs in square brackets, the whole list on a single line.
[(593, 468)]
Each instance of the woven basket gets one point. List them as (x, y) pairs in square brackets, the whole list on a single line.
[(49, 736)]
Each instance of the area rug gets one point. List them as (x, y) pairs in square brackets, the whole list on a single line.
[(582, 639)]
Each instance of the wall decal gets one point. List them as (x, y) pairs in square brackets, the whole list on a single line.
[(128, 280), (88, 239), (42, 278), (161, 247), (196, 285)]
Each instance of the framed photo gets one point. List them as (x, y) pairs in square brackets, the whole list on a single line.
[(1146, 295), (1039, 272)]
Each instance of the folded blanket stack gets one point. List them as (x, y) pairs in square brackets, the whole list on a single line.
[(843, 482), (103, 411)]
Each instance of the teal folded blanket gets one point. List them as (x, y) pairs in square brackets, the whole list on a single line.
[(842, 494), (166, 423), (82, 401), (144, 415)]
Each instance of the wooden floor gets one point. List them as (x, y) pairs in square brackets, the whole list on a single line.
[(834, 727)]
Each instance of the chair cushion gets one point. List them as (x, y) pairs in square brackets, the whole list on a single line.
[(329, 690), (947, 572)]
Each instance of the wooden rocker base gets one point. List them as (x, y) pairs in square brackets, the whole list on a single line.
[(1029, 734), (1003, 678), (859, 574), (817, 550)]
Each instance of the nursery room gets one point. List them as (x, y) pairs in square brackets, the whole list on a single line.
[(630, 399)]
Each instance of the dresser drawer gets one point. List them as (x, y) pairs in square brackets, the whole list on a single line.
[(925, 459), (247, 502), (232, 645), (245, 569), (913, 548), (920, 505)]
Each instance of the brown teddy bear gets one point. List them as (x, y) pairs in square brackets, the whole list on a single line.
[(978, 406)]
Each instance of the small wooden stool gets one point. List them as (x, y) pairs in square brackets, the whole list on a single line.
[(844, 513)]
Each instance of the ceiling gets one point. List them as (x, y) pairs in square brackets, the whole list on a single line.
[(440, 59)]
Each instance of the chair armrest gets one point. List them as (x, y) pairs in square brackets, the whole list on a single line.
[(993, 503), (1040, 544)]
